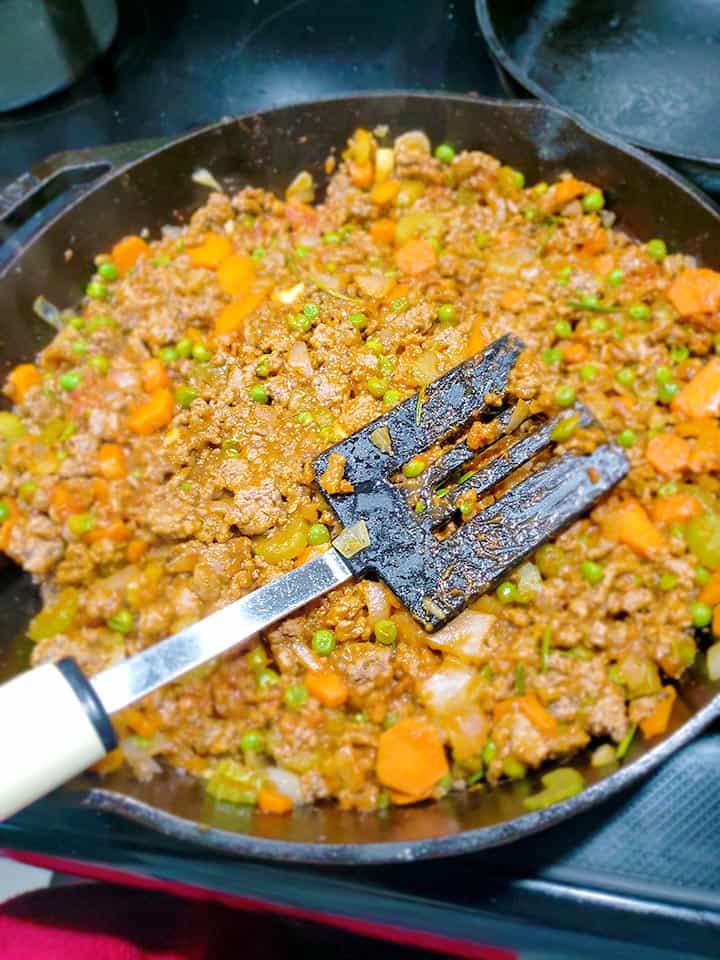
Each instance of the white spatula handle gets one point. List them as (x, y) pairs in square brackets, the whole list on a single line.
[(52, 727)]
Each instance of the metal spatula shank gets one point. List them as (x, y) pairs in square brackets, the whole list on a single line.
[(435, 576)]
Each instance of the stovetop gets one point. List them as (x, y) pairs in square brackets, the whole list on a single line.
[(643, 868), (176, 66)]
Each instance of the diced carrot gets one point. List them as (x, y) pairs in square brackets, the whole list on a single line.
[(563, 192), (192, 333), (127, 252), (696, 291), (24, 376), (116, 531), (327, 686), (533, 710), (502, 708), (192, 762), (574, 352), (154, 414), (99, 489), (144, 722), (656, 723), (214, 248), (411, 757), (668, 453), (110, 763), (630, 524), (136, 549), (416, 257), (477, 340), (710, 593), (309, 553), (513, 299), (361, 174), (6, 528), (63, 502), (384, 193), (701, 396), (603, 264), (235, 275), (677, 508), (270, 800), (154, 374), (232, 317), (401, 799), (596, 244), (111, 461), (383, 232)]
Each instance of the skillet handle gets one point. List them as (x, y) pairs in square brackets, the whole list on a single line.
[(52, 727), (53, 176)]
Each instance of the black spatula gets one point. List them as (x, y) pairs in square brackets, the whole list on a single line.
[(403, 533)]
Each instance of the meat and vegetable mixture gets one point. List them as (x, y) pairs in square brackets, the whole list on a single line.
[(157, 466)]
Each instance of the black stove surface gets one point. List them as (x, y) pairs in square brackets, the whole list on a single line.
[(175, 66)]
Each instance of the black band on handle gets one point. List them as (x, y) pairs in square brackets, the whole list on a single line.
[(90, 701)]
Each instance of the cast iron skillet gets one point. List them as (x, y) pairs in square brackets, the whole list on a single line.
[(267, 150), (647, 70)]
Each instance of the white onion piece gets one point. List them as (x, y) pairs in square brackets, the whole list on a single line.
[(373, 284), (384, 163), (48, 312), (289, 295), (285, 782), (603, 756), (142, 764), (713, 661), (206, 179), (447, 688), (464, 636), (306, 657), (299, 358), (378, 602)]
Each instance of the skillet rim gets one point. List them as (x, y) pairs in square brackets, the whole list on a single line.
[(467, 841)]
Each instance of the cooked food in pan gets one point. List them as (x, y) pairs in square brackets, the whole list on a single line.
[(157, 465)]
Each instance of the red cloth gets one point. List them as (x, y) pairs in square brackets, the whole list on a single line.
[(93, 922)]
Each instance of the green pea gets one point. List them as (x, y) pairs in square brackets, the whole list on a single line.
[(506, 592), (391, 397), (446, 313), (374, 346), (200, 353), (616, 277), (96, 290), (252, 742), (593, 201), (80, 347), (552, 356), (663, 375), (386, 365), (513, 768), (563, 329), (266, 678), (639, 311), (444, 153), (122, 621), (108, 271), (184, 347), (657, 249), (666, 391), (262, 367), (185, 395), (627, 438), (565, 428), (591, 571), (258, 394), (563, 278), (317, 534), (598, 324), (358, 320), (70, 380), (258, 253), (296, 696), (311, 310), (679, 354), (4, 511), (701, 614), (81, 523), (257, 658), (385, 632), (77, 323), (300, 323), (667, 581), (702, 575), (588, 372), (100, 363), (399, 303), (331, 238), (668, 489), (625, 376), (26, 492), (304, 418), (565, 395), (160, 261), (323, 642), (301, 251), (377, 387), (420, 506), (413, 468), (98, 321), (168, 354), (482, 240)]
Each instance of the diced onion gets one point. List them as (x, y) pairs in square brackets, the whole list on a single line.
[(286, 783), (288, 295), (529, 582), (464, 636), (713, 661), (447, 688), (425, 369), (384, 163), (381, 439), (352, 540), (373, 284), (519, 415), (141, 763), (604, 756), (302, 188), (48, 312), (299, 358), (377, 600), (206, 179), (414, 141)]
